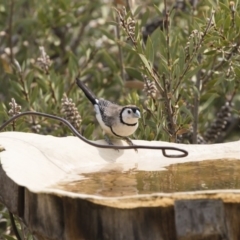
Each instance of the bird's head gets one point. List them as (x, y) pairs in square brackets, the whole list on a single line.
[(130, 115)]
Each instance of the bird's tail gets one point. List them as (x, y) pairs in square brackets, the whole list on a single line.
[(86, 91)]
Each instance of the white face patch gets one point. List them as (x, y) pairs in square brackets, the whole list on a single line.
[(130, 116)]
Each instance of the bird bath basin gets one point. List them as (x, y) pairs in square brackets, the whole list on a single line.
[(63, 188), (180, 177)]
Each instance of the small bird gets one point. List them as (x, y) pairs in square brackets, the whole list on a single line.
[(115, 120)]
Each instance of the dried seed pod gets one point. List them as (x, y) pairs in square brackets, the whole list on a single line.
[(70, 111), (44, 61), (15, 108), (188, 137), (150, 88), (218, 126)]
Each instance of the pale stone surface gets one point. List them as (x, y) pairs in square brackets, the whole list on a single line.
[(39, 162)]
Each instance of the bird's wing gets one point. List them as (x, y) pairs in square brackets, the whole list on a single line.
[(109, 112)]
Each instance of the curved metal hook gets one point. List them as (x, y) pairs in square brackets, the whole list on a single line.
[(184, 153)]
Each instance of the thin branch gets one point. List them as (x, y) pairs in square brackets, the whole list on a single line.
[(196, 108), (233, 10), (24, 89), (221, 64), (169, 110), (83, 66), (166, 27), (21, 79), (128, 6), (196, 98), (188, 65), (10, 29), (166, 82), (75, 43), (120, 48), (52, 89)]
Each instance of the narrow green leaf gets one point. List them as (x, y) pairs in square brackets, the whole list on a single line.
[(139, 48), (174, 47), (147, 132), (192, 72), (191, 46), (211, 52), (149, 50), (157, 10), (237, 21), (145, 62), (34, 95), (206, 103), (181, 59), (186, 110), (110, 62), (89, 130), (134, 73), (107, 33), (237, 72), (163, 66), (7, 237), (163, 44), (137, 11), (72, 63), (156, 41), (224, 7), (176, 71), (137, 31), (227, 22)]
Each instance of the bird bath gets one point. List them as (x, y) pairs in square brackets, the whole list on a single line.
[(63, 188), (180, 177)]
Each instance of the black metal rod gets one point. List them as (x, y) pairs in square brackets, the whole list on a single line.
[(183, 153)]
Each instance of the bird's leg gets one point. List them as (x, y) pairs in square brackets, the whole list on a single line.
[(109, 142), (130, 143)]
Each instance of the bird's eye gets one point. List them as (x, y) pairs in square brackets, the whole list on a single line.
[(129, 111)]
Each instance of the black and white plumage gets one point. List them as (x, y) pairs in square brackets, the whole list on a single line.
[(119, 121)]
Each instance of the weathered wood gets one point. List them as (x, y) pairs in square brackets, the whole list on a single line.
[(9, 193), (67, 218), (197, 218), (232, 213), (41, 180)]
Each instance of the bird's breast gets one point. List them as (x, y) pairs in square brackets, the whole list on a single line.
[(124, 130)]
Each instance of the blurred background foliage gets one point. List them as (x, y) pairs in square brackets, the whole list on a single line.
[(181, 69), (177, 60)]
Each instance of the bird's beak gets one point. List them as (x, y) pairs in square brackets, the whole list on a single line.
[(137, 114)]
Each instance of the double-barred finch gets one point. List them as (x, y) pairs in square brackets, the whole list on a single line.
[(115, 120)]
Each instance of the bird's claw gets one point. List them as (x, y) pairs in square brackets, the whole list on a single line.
[(130, 143), (109, 142)]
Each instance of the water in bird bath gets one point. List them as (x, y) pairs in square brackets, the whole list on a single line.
[(181, 177)]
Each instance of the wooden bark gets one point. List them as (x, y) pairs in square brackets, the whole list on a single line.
[(41, 180)]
